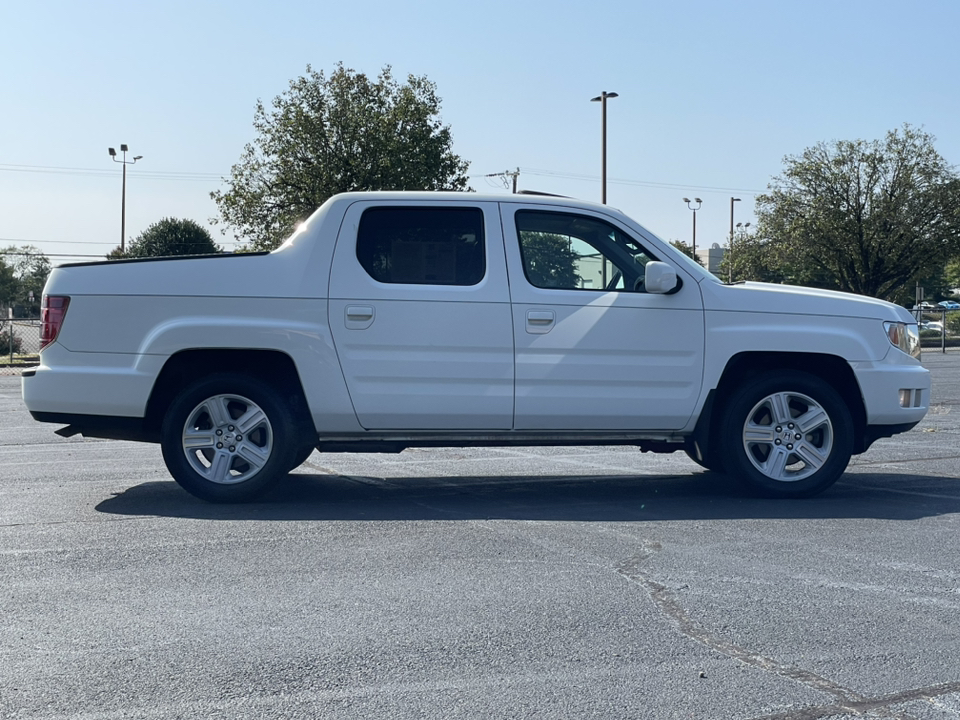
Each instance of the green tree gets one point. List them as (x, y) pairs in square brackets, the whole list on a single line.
[(328, 135), (758, 259), (8, 283), (686, 249), (549, 260), (27, 269), (951, 275), (170, 236), (865, 217)]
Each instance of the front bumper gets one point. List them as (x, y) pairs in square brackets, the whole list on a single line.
[(896, 390)]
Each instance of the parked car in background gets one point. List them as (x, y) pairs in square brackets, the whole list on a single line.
[(934, 326), (949, 304), (925, 306)]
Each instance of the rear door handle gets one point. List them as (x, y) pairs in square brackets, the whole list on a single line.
[(359, 317)]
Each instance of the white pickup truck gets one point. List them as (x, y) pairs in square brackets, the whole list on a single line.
[(397, 320)]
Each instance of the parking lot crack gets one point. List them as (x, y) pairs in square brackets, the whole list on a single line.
[(847, 701)]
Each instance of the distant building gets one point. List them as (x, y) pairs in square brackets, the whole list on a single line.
[(712, 257)]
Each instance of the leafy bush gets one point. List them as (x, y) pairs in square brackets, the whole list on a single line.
[(953, 322), (5, 343)]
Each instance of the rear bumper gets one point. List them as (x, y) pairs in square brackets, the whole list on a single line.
[(99, 426), (75, 383)]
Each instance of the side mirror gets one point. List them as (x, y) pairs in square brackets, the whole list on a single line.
[(659, 278)]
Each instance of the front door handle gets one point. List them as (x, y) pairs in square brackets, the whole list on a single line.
[(540, 321)]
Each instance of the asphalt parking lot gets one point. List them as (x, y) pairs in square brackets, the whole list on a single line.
[(500, 583)]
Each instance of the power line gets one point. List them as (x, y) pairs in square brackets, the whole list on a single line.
[(99, 172), (641, 183), (54, 242), (206, 177), (43, 254)]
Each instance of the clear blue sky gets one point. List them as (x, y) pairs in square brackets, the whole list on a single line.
[(712, 96)]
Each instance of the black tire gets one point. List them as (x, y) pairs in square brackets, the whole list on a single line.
[(711, 462), (228, 438), (301, 457), (786, 434)]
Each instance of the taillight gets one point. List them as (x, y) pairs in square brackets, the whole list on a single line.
[(53, 310)]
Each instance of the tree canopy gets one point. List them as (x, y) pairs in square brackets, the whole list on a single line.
[(170, 236), (23, 270), (549, 260), (686, 249), (870, 217), (328, 135), (8, 283)]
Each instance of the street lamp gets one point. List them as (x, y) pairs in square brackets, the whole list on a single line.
[(730, 249), (123, 196), (602, 99), (699, 202)]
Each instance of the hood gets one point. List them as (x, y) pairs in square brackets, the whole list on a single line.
[(796, 300)]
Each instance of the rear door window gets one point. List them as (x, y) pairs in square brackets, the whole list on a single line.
[(422, 245)]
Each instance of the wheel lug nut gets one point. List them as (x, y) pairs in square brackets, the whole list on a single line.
[(230, 428), (240, 437), (219, 446), (789, 426), (219, 432), (779, 428), (777, 441), (798, 436), (789, 446), (233, 448)]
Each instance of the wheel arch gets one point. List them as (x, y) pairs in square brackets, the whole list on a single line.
[(832, 369), (271, 366)]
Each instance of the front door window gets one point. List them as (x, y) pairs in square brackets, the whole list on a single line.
[(572, 252)]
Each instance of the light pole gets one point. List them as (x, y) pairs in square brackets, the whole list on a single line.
[(123, 196), (699, 202), (730, 249), (602, 99)]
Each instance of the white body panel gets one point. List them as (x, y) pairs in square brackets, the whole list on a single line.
[(425, 357), (757, 317), (588, 359), (500, 356)]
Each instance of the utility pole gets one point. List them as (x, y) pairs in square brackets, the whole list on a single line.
[(730, 247), (514, 174)]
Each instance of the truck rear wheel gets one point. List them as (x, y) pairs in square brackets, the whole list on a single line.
[(787, 434), (227, 438)]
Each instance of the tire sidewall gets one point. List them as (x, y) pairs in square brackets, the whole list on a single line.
[(258, 392), (743, 401)]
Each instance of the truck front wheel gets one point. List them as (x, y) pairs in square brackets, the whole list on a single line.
[(227, 438), (787, 434)]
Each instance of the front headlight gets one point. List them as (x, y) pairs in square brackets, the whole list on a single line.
[(904, 336)]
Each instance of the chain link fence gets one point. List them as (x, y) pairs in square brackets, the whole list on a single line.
[(939, 329), (19, 344)]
